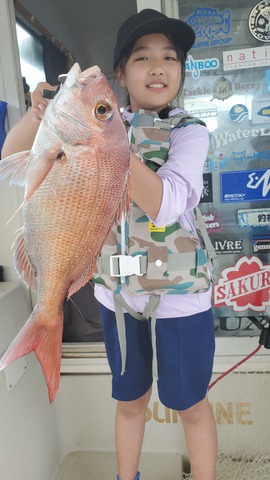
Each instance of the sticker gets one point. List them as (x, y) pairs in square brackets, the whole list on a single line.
[(257, 217), (226, 137), (240, 325), (246, 285), (209, 23), (214, 161), (153, 228), (207, 193), (212, 222), (261, 244), (227, 246), (245, 186), (246, 87), (264, 112), (198, 91), (197, 66), (239, 157), (201, 109), (222, 89), (259, 21), (246, 58), (238, 113), (267, 81), (261, 110)]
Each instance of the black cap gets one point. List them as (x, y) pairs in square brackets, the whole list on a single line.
[(150, 21)]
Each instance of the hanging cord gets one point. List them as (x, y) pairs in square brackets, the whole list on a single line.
[(235, 366), (263, 341)]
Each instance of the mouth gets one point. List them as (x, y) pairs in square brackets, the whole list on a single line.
[(156, 86)]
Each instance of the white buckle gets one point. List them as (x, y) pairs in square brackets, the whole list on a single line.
[(125, 265)]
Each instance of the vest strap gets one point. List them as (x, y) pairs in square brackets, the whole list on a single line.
[(126, 265), (150, 311), (209, 246)]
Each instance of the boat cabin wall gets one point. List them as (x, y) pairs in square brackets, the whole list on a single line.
[(29, 446)]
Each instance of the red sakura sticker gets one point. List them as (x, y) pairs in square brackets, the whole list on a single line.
[(246, 285)]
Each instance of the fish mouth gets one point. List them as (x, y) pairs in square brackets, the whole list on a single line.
[(89, 74), (84, 77)]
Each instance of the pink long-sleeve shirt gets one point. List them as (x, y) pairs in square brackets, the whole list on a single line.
[(182, 178)]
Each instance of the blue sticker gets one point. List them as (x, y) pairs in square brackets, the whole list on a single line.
[(264, 112), (267, 81), (239, 157), (238, 113), (245, 186), (209, 23), (197, 66)]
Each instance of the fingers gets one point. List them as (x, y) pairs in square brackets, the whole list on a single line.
[(39, 103), (37, 112)]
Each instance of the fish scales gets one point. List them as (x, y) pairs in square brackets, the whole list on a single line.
[(76, 178)]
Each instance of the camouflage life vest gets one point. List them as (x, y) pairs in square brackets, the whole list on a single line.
[(152, 260)]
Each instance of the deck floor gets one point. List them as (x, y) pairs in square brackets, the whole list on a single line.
[(154, 466), (102, 466)]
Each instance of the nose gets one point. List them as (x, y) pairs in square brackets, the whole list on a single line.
[(156, 69)]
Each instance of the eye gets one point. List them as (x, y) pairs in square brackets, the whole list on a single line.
[(171, 59), (103, 111), (141, 59)]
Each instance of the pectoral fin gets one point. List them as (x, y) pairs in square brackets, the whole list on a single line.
[(29, 172), (40, 169), (15, 166)]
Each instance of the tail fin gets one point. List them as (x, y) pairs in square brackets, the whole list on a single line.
[(46, 341)]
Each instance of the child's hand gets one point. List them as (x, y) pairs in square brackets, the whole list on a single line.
[(39, 103)]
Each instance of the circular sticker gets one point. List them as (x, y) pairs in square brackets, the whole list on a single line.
[(238, 113), (259, 21), (222, 89)]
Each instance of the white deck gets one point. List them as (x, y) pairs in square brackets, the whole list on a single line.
[(73, 439), (102, 466)]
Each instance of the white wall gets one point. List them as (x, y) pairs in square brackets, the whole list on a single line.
[(28, 435), (10, 91), (155, 4), (29, 448)]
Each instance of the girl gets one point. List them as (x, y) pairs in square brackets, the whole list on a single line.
[(149, 61)]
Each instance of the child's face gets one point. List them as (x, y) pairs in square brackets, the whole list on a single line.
[(152, 73)]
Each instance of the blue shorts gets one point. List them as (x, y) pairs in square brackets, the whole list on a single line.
[(185, 353)]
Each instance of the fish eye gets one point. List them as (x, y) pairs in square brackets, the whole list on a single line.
[(103, 111)]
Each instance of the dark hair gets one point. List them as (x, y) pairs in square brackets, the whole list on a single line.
[(181, 57)]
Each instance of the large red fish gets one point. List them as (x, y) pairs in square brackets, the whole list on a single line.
[(75, 179)]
